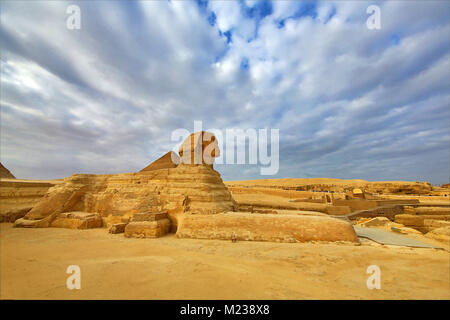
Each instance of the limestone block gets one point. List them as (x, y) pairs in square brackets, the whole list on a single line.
[(77, 220), (19, 196), (147, 229), (405, 230), (338, 210), (409, 210), (375, 222), (435, 223), (118, 228), (54, 201), (433, 211), (13, 215), (418, 220), (27, 223), (440, 234), (149, 216), (266, 227)]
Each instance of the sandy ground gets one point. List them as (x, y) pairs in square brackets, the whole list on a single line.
[(34, 262)]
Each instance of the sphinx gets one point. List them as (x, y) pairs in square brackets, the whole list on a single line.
[(162, 186), (182, 194)]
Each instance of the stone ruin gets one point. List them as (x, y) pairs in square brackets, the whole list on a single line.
[(184, 195)]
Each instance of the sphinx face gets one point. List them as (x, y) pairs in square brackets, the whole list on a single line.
[(199, 148)]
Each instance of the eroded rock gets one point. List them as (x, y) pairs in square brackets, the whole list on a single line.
[(375, 222), (77, 220), (147, 229), (118, 228), (266, 227)]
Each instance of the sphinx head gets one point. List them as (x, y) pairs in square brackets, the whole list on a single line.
[(199, 148)]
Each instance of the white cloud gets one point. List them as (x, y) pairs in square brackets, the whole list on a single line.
[(106, 98)]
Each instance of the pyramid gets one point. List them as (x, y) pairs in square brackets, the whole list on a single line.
[(4, 173), (165, 162)]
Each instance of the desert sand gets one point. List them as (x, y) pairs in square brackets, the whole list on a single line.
[(177, 231), (33, 265)]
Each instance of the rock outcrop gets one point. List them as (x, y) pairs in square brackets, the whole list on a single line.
[(266, 227), (440, 234), (77, 220), (148, 225), (118, 228), (5, 173), (17, 197)]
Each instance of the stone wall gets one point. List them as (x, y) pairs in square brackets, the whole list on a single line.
[(338, 185), (266, 227), (17, 197)]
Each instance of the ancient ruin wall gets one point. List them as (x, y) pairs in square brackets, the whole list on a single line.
[(17, 197)]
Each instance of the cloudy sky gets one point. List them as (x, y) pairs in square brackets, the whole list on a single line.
[(349, 102)]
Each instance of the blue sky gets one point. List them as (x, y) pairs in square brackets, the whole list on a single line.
[(349, 102)]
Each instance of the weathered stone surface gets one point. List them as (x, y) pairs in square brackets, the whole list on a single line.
[(405, 230), (375, 222), (384, 211), (57, 200), (199, 148), (358, 193), (77, 220), (41, 223), (418, 220), (18, 197), (266, 227), (5, 173), (118, 228), (149, 216), (409, 210), (147, 229), (257, 201), (13, 215), (169, 160), (337, 210), (440, 234), (432, 210), (435, 223)]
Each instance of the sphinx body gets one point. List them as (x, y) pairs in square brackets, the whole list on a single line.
[(191, 194), (186, 188)]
